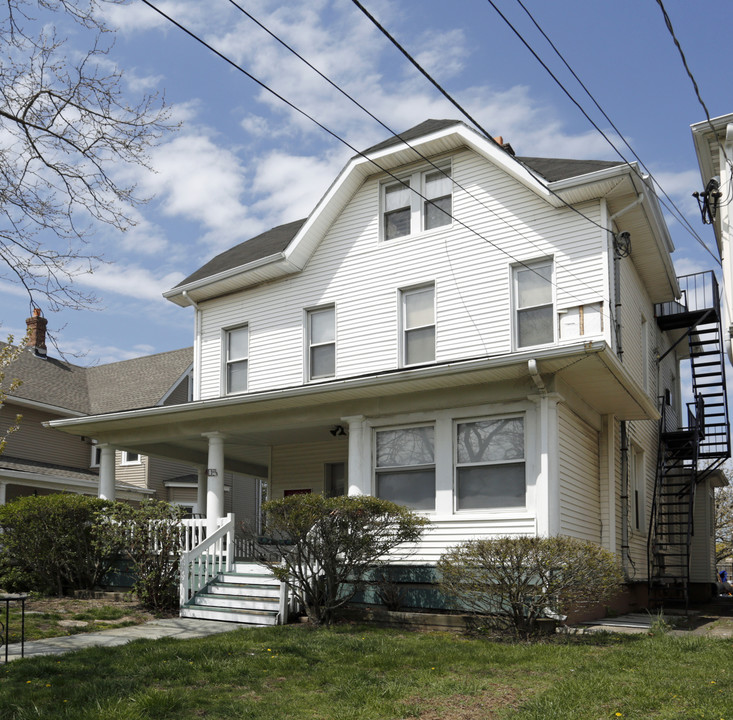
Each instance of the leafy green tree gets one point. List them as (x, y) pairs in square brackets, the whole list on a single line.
[(8, 354), (329, 546), (513, 582)]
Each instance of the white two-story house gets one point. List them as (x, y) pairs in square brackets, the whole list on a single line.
[(463, 331)]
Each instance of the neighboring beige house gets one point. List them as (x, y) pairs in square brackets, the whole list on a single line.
[(40, 460), (489, 339)]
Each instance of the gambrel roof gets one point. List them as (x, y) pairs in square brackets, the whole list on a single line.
[(286, 249)]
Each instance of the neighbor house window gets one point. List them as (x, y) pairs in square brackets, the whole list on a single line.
[(237, 356), (321, 343), (418, 325), (533, 303), (422, 200), (96, 455), (405, 466), (130, 458), (490, 464)]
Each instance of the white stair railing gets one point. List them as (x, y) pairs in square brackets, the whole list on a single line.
[(203, 562)]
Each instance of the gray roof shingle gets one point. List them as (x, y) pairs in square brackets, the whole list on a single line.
[(126, 385)]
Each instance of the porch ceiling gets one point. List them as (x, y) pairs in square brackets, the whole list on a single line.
[(253, 423)]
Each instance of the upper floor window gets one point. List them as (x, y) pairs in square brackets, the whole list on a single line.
[(490, 464), (237, 358), (405, 466), (130, 458), (534, 304), (321, 343), (404, 210), (418, 325)]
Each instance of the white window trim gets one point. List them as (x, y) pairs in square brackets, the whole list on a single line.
[(94, 462), (416, 179), (307, 350), (124, 459), (402, 344), (515, 301), (226, 361), (489, 511)]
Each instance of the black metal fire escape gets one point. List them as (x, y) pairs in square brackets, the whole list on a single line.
[(691, 448)]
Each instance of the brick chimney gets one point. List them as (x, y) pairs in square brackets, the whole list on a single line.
[(37, 333)]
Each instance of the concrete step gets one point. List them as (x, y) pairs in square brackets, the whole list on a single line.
[(246, 617)]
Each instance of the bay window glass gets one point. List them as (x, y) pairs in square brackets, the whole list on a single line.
[(321, 343), (418, 325), (237, 357), (490, 471), (405, 466), (534, 305)]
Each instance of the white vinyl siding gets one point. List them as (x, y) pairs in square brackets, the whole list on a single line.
[(579, 472), (359, 273)]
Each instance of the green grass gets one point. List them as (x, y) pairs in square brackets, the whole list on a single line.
[(360, 673)]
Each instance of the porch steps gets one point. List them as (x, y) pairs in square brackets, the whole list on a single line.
[(248, 595)]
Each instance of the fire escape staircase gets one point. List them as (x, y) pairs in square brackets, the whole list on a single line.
[(689, 451)]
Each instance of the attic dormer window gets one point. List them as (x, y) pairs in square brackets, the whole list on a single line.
[(422, 200)]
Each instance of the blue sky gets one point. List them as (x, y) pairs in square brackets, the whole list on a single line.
[(243, 162)]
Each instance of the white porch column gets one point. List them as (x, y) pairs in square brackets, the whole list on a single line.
[(547, 489), (201, 487), (215, 480), (3, 492), (359, 456), (106, 472)]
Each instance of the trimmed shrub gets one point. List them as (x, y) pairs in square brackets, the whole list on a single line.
[(49, 544), (514, 582), (330, 545)]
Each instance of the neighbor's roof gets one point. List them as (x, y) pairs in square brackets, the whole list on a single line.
[(277, 239), (126, 385)]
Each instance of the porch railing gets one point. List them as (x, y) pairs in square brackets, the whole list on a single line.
[(204, 561)]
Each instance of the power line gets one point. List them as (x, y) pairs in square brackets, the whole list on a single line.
[(438, 168), (680, 215), (668, 23)]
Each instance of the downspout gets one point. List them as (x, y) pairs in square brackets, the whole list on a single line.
[(196, 343), (624, 499)]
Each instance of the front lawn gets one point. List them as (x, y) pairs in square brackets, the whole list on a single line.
[(362, 673)]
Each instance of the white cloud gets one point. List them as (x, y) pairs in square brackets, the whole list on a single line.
[(136, 282)]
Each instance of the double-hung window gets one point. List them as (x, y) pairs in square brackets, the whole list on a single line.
[(418, 325), (405, 466), (534, 304), (422, 200), (321, 343), (237, 359), (490, 471)]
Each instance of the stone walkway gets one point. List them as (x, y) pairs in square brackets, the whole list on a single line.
[(182, 628)]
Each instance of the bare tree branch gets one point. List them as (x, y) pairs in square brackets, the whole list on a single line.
[(66, 129)]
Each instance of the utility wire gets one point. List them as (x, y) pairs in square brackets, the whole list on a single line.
[(462, 110), (668, 23), (438, 168), (302, 112), (680, 215)]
